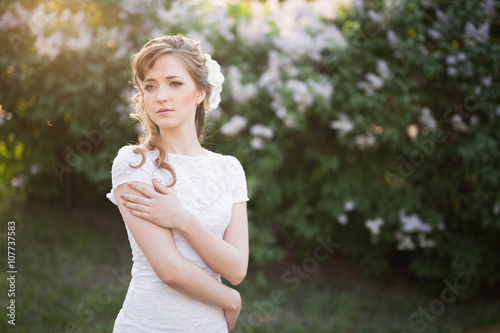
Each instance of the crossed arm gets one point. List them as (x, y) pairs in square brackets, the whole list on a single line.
[(227, 256), (139, 203)]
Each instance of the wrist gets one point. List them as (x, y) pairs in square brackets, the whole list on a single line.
[(186, 222)]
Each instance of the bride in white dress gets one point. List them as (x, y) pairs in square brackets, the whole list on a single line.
[(184, 207)]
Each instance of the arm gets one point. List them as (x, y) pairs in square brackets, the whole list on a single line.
[(171, 267), (228, 256)]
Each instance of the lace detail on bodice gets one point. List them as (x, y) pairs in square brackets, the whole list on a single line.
[(207, 186)]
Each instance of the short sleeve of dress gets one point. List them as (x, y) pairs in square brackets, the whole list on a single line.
[(122, 172), (237, 176)]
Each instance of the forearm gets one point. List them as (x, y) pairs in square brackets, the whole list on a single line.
[(218, 254), (193, 281)]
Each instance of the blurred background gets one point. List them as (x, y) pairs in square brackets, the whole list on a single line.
[(368, 131)]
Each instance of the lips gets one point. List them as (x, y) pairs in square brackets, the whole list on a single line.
[(164, 111)]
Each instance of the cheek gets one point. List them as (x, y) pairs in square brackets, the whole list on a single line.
[(149, 100), (186, 98)]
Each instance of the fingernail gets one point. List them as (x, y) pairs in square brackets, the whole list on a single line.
[(124, 203)]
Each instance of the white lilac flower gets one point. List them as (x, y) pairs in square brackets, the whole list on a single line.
[(477, 90), (240, 93), (392, 38), (235, 125), (451, 71), (39, 19), (278, 106), (374, 225), (474, 120), (374, 16), (451, 60), (271, 79), (321, 86), (81, 42), (461, 57), (497, 110), (179, 12), (368, 89), (262, 131), (215, 114), (254, 31), (479, 35), (18, 182), (217, 21), (300, 94), (423, 242), (363, 141), (383, 70), (358, 4), (458, 124), (427, 119), (496, 209), (405, 242), (343, 125), (349, 206), (51, 46), (434, 34), (342, 219), (374, 80), (35, 169), (8, 21), (441, 16), (488, 8), (412, 223), (290, 122), (22, 13), (486, 80), (257, 143)]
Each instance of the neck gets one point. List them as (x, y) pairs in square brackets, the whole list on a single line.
[(181, 140)]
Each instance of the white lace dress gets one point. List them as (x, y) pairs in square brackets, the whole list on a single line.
[(207, 186)]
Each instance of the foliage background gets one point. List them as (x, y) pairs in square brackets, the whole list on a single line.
[(375, 122)]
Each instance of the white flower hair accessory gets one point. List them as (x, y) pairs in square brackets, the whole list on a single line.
[(215, 78)]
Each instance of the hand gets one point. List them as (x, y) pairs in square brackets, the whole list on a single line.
[(163, 208), (232, 312)]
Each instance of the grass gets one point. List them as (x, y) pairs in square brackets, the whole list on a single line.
[(74, 268)]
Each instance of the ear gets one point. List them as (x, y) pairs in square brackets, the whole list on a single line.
[(200, 96)]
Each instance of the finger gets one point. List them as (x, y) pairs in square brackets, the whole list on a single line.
[(137, 207), (146, 190), (142, 215), (136, 198), (162, 188)]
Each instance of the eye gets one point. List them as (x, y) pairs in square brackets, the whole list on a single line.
[(175, 84), (149, 87)]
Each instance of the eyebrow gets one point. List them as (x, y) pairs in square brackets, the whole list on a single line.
[(168, 78)]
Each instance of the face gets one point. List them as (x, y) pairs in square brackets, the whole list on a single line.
[(170, 94)]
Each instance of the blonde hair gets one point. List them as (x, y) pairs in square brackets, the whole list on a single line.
[(189, 52)]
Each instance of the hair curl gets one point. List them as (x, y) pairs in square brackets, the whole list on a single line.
[(192, 56)]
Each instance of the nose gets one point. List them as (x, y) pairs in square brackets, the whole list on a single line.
[(162, 94)]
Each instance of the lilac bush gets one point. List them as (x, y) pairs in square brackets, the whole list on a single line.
[(373, 121)]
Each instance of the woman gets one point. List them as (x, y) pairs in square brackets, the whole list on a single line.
[(186, 235)]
